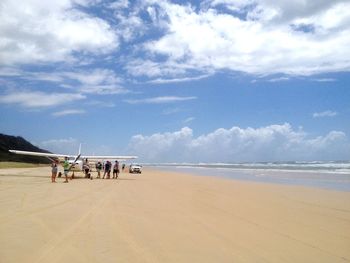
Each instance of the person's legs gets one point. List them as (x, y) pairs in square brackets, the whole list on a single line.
[(66, 176), (54, 177)]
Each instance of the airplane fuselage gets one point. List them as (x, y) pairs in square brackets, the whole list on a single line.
[(77, 166)]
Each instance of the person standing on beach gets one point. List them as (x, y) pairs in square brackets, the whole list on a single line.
[(107, 170), (116, 169), (86, 168), (98, 169), (66, 168), (54, 170)]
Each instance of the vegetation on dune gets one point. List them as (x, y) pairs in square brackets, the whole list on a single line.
[(8, 142)]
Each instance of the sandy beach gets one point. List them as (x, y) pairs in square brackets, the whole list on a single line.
[(168, 217)]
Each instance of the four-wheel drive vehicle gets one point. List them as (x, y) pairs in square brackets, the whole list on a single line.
[(135, 168)]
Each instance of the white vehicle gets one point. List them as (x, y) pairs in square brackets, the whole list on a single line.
[(135, 168)]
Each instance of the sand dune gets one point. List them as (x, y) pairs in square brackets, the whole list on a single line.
[(168, 217)]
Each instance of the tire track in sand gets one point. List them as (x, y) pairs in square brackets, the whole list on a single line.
[(58, 240), (44, 208)]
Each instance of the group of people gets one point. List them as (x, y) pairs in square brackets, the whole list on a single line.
[(106, 167), (55, 173)]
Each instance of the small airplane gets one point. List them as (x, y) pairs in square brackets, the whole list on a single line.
[(76, 161)]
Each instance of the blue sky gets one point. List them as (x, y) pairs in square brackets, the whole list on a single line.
[(178, 81)]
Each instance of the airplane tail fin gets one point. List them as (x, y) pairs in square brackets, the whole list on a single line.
[(79, 149)]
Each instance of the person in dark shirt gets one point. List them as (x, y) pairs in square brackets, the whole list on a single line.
[(116, 170), (107, 170), (98, 169)]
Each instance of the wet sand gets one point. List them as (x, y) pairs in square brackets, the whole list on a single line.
[(168, 217)]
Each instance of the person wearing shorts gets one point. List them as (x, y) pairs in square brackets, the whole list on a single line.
[(98, 169), (116, 170), (66, 169), (54, 171), (107, 170)]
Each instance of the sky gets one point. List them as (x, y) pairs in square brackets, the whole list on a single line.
[(179, 81)]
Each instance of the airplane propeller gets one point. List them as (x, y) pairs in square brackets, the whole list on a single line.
[(76, 159)]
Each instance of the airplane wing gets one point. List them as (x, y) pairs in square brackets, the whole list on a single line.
[(50, 155), (108, 157), (62, 156)]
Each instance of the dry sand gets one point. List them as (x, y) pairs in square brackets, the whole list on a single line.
[(168, 217)]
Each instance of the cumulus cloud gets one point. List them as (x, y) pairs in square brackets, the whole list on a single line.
[(173, 42), (259, 37), (327, 113), (40, 31), (270, 143), (161, 146), (38, 99)]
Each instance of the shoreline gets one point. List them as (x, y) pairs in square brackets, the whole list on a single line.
[(313, 179), (162, 216)]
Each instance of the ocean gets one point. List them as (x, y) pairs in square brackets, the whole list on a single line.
[(333, 175)]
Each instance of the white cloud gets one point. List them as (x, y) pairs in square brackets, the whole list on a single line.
[(96, 76), (176, 80), (139, 67), (160, 100), (327, 113), (270, 143), (120, 4), (173, 42), (130, 26), (96, 81), (103, 89), (278, 11), (279, 79), (37, 99), (88, 81), (161, 146), (325, 80), (68, 112), (294, 38), (35, 31)]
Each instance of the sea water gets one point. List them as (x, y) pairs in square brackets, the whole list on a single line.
[(330, 175)]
